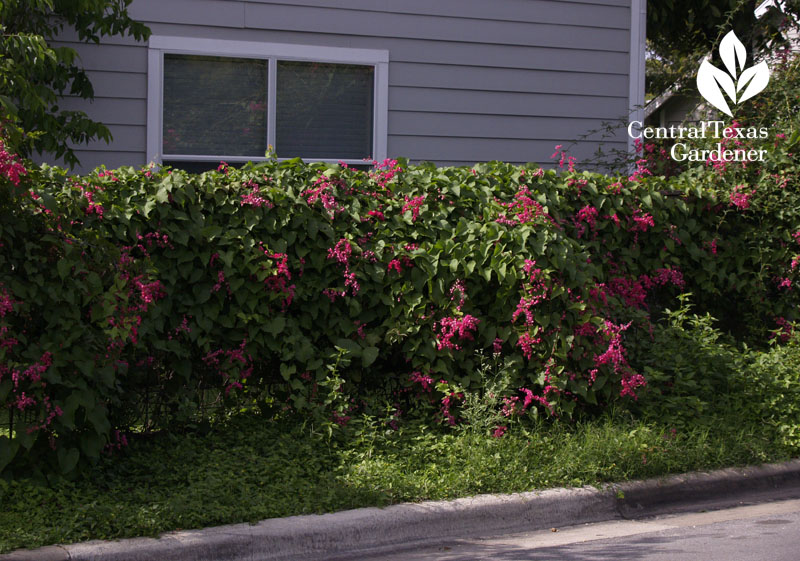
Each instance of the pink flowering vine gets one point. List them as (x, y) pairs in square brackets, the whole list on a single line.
[(536, 292), (563, 159), (587, 215), (523, 209), (10, 166), (419, 378), (739, 198), (413, 205), (383, 172), (614, 357), (234, 366), (341, 253), (253, 197), (450, 328), (278, 282)]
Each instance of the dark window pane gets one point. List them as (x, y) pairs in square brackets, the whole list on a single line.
[(323, 110), (215, 106), (198, 166)]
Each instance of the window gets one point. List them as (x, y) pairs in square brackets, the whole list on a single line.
[(212, 100)]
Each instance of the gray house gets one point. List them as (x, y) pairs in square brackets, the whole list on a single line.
[(449, 81)]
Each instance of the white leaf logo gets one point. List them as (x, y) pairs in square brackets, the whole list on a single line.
[(712, 82)]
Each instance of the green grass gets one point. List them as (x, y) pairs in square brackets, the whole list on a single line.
[(251, 469)]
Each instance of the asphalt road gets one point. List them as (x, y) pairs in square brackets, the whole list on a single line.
[(763, 532)]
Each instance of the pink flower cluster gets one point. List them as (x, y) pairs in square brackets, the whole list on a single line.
[(452, 327), (253, 198), (642, 221), (524, 209), (634, 291), (497, 346), (564, 159), (461, 289), (341, 252), (88, 192), (322, 190), (447, 403), (513, 407), (641, 171), (6, 303), (127, 314), (385, 171), (587, 214), (413, 205), (118, 441), (527, 342), (536, 290), (425, 381), (664, 277), (614, 357), (34, 372), (10, 166), (149, 292), (33, 375), (234, 365), (279, 280), (739, 198)]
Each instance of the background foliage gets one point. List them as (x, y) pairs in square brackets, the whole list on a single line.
[(35, 74), (681, 32)]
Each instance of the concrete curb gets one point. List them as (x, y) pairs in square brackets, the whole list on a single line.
[(725, 487), (367, 530)]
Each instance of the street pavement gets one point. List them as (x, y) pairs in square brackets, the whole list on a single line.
[(769, 531)]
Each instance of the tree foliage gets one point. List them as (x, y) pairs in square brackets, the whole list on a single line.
[(35, 74), (681, 32)]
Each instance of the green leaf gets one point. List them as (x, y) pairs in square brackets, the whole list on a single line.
[(162, 196), (349, 345), (64, 267), (8, 449), (275, 325), (211, 232), (369, 356), (68, 459)]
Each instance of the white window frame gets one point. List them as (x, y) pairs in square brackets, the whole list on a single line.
[(271, 52)]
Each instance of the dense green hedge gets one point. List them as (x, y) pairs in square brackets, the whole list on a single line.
[(139, 299)]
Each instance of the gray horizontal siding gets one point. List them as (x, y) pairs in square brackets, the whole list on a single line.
[(250, 13), (507, 80), (523, 104), (453, 53), (221, 13), (470, 80), (488, 126), (586, 33), (331, 20), (119, 85), (110, 111), (127, 138), (91, 159), (110, 57), (527, 11)]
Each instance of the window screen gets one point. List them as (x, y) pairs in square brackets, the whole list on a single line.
[(324, 110), (215, 106)]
